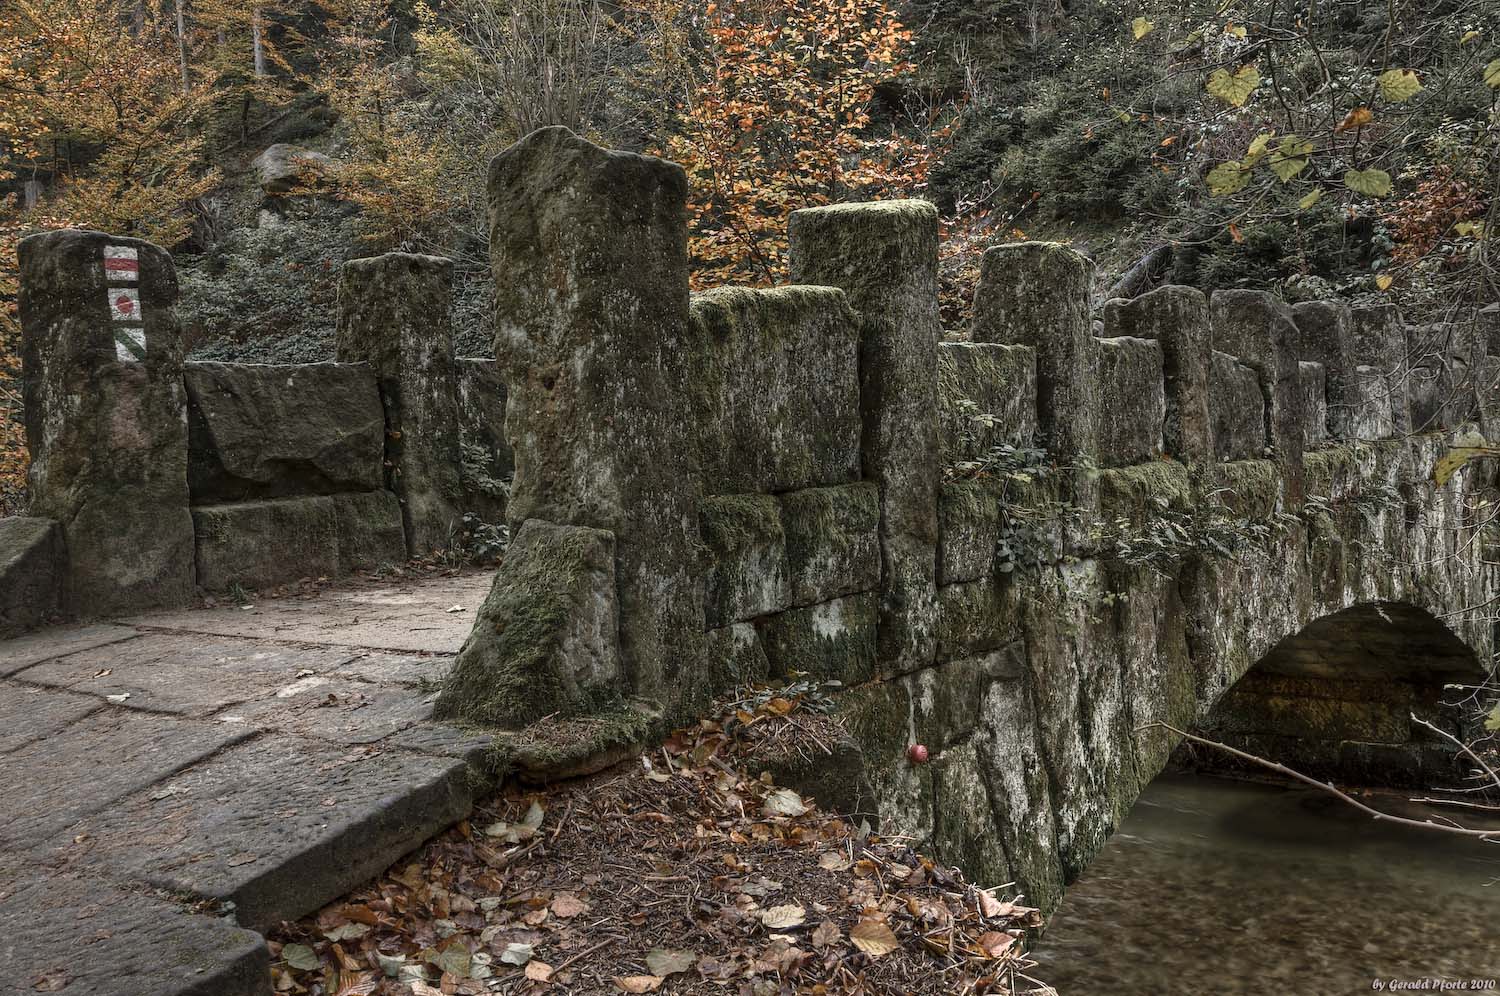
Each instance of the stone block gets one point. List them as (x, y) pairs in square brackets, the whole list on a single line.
[(834, 641), (736, 657), (832, 541), (1237, 410), (261, 544), (1176, 318), (969, 515), (33, 569), (18, 654), (747, 568), (963, 820), (1380, 343), (278, 825), (486, 460), (368, 531), (394, 315), (947, 699), (1131, 401), (102, 383), (1325, 335), (1312, 389), (546, 640), (31, 714), (601, 405), (64, 933), (778, 387), (280, 430), (987, 398), (975, 619), (1258, 330), (1374, 414), (884, 257), (284, 168)]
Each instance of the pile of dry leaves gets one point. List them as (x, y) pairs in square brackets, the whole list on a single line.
[(682, 871)]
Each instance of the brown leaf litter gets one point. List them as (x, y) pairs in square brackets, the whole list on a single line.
[(678, 871)]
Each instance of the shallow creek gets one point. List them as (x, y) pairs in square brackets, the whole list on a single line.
[(1214, 887)]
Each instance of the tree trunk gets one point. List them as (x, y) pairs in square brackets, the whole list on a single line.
[(182, 45)]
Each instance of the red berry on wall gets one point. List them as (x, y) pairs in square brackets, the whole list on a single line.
[(917, 753)]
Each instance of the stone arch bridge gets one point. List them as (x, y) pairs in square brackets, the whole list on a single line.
[(1017, 543)]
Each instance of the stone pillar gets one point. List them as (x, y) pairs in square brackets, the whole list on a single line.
[(394, 315), (1258, 329), (1380, 343), (1176, 317), (106, 421), (883, 255), (1325, 334), (589, 251), (1037, 294)]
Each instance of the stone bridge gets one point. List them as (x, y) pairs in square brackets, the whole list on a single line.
[(1018, 544)]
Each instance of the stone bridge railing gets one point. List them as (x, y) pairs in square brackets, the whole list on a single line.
[(152, 478), (712, 489)]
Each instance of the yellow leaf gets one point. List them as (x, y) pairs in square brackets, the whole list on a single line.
[(638, 983), (1311, 199), (874, 938), (1228, 178), (1372, 182), (1384, 281), (1233, 88), (783, 917), (1492, 75), (1493, 722), (1141, 27), (1237, 30), (1357, 118), (1398, 85), (1258, 146), (1469, 36), (1470, 229), (1451, 462)]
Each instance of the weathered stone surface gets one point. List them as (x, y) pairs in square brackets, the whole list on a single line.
[(612, 228), (778, 379), (367, 531), (394, 315), (1374, 415), (747, 565), (1037, 294), (324, 707), (187, 675), (1177, 318), (1380, 343), (884, 257), (278, 825), (283, 168), (33, 569), (1131, 400), (110, 754), (546, 639), (834, 640), (975, 618), (31, 714), (947, 699), (418, 670), (832, 541), (1256, 328), (1312, 382), (963, 818), (21, 653), (879, 717), (99, 940), (1441, 383), (736, 657), (969, 528), (277, 430), (487, 462), (106, 433), (1237, 411), (987, 396), (1325, 335)]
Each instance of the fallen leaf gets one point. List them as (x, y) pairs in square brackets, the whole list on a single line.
[(243, 858), (1357, 118), (664, 962), (117, 699), (516, 954), (538, 971), (568, 905), (826, 933), (51, 981), (784, 917), (784, 802), (833, 861), (994, 943), (639, 983), (301, 957), (347, 932), (454, 608), (874, 938)]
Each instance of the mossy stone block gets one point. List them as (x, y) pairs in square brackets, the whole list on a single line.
[(969, 514), (735, 656), (747, 570), (832, 541), (833, 640)]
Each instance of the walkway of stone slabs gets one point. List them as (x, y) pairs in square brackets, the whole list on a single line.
[(170, 784)]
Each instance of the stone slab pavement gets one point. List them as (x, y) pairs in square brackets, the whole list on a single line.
[(174, 782)]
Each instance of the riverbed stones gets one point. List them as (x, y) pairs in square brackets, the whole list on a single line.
[(276, 430), (32, 573), (884, 257), (599, 415), (546, 640), (394, 315), (768, 419), (102, 383)]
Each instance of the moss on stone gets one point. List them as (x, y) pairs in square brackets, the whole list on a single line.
[(1251, 488), (833, 640), (832, 541), (568, 748), (969, 514), (747, 571), (1331, 473), (1128, 492), (974, 617)]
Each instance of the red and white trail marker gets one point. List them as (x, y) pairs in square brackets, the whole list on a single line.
[(121, 263), (125, 304)]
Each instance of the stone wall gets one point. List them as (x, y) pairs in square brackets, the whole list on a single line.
[(152, 478), (1018, 549)]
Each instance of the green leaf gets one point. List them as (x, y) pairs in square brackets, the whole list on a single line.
[(1372, 182), (1469, 36), (1492, 75), (1141, 27), (1398, 85), (1234, 88), (1258, 147), (1311, 199), (1493, 722), (1286, 168), (1228, 178), (300, 956)]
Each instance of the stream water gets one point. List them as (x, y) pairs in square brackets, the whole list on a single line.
[(1214, 887)]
